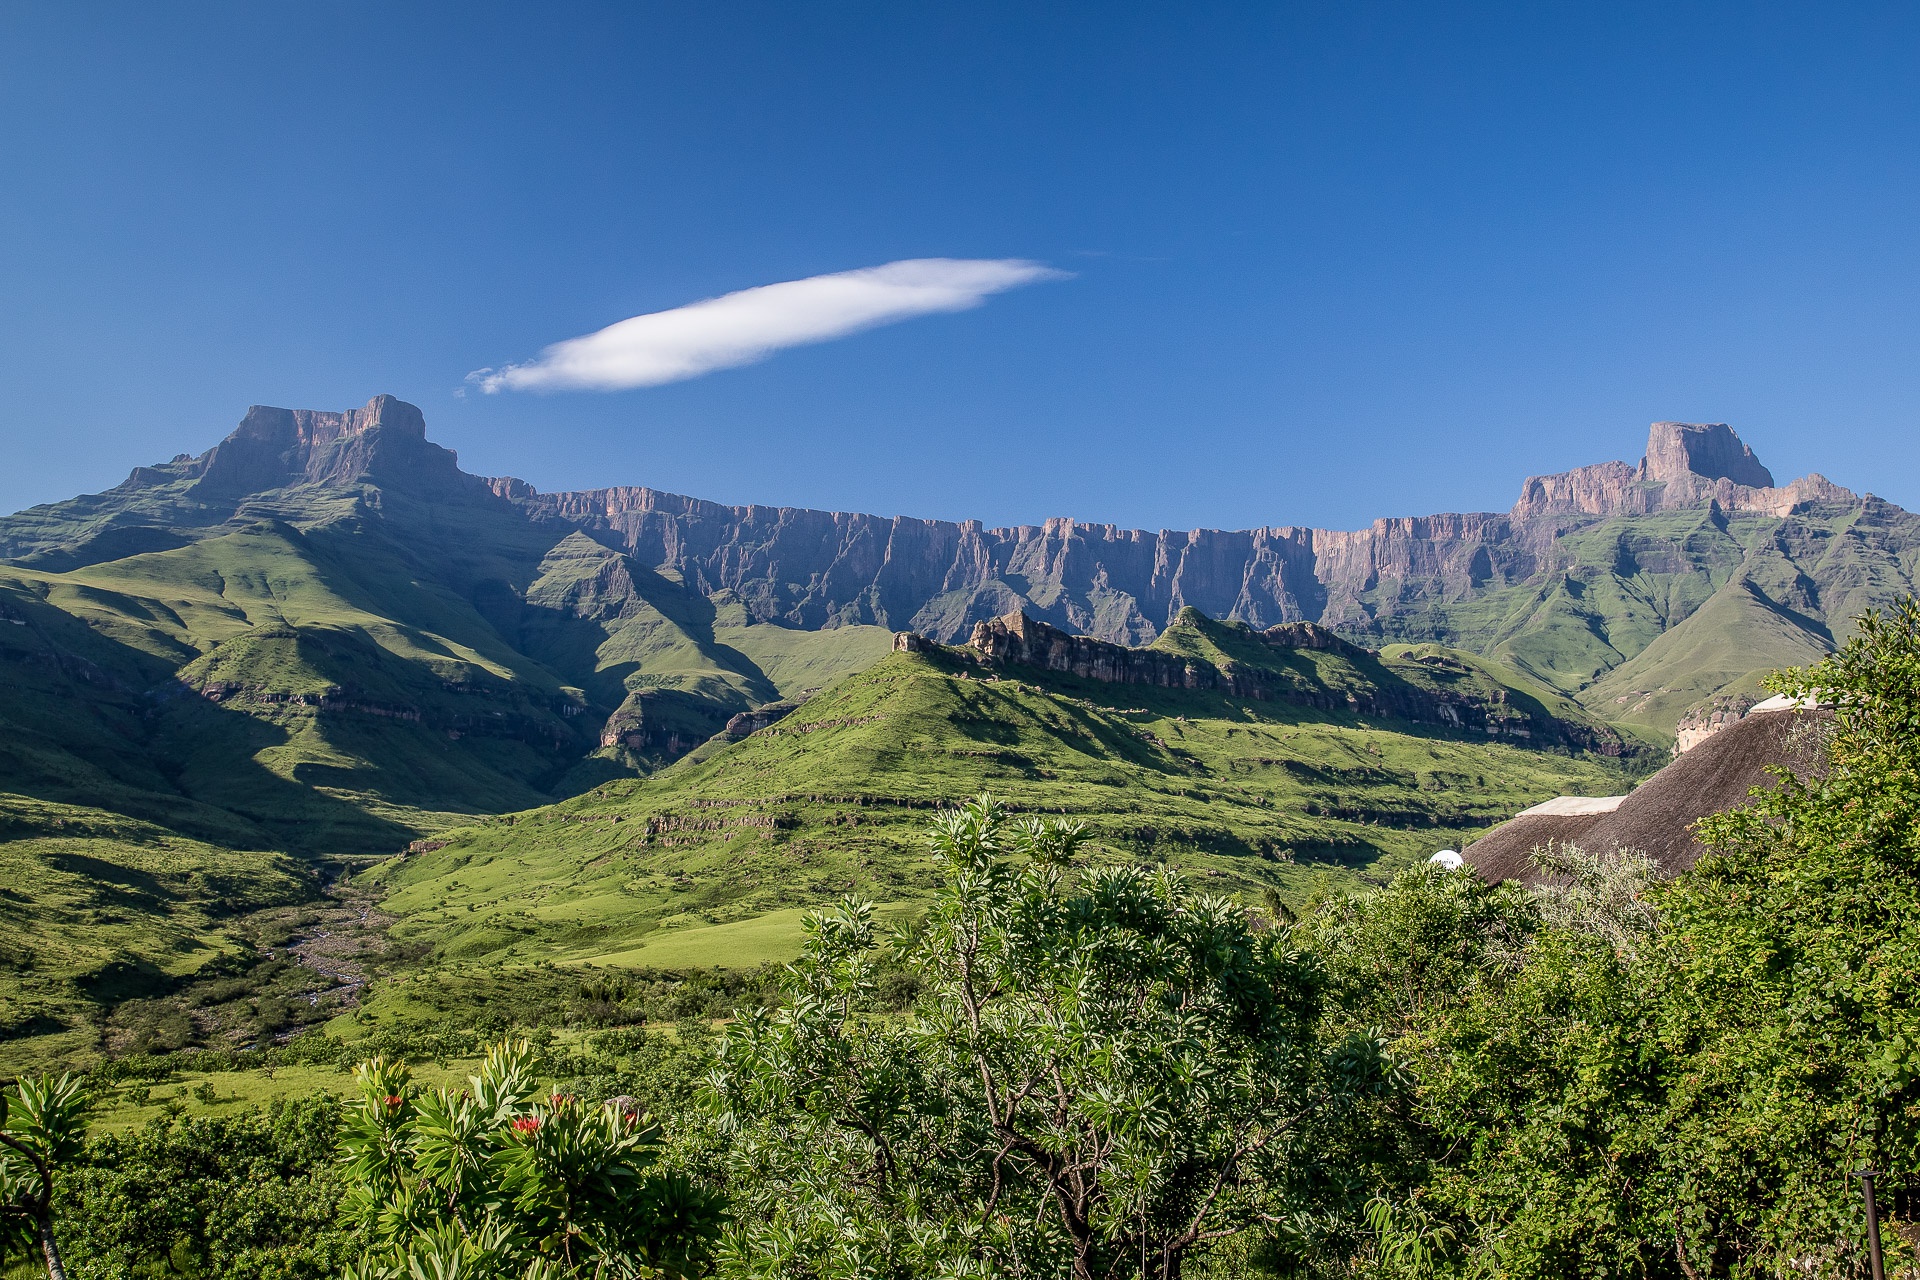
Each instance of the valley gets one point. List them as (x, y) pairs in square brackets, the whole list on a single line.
[(629, 730)]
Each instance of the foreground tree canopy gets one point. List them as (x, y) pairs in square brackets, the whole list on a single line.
[(1105, 1072), (1679, 1079), (1065, 1069)]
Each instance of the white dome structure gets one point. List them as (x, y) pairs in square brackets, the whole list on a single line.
[(1449, 859)]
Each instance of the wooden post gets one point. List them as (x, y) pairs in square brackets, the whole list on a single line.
[(1866, 1177)]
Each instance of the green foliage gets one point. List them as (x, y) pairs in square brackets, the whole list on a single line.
[(1790, 964), (226, 1197), (1623, 1077), (1604, 893), (494, 1181), (42, 1130), (1105, 1070), (1523, 1040)]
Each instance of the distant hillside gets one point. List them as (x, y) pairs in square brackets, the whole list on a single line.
[(321, 635), (392, 642), (1287, 759), (1576, 581), (98, 908)]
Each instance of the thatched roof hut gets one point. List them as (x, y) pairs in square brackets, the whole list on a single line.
[(1657, 816)]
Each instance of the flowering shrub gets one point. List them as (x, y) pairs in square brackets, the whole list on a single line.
[(491, 1182)]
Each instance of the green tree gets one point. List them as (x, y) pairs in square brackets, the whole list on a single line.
[(496, 1181), (1792, 1014), (42, 1130), (1105, 1073), (1622, 1077), (251, 1195)]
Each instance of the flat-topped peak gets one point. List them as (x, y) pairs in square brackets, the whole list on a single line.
[(390, 412), (385, 440), (1687, 464), (1707, 449), (318, 426)]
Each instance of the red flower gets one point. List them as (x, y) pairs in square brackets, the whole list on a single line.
[(526, 1124), (394, 1100)]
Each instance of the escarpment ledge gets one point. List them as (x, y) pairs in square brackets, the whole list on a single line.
[(1267, 670), (938, 578)]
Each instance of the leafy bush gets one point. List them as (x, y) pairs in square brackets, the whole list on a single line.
[(494, 1181), (1106, 1071), (248, 1195)]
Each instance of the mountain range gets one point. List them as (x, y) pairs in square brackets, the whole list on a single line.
[(322, 639), (351, 613)]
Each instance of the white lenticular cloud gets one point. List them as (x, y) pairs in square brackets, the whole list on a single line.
[(742, 328)]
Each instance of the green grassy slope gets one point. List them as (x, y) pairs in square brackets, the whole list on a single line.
[(98, 908), (708, 862), (797, 662), (1611, 621), (1730, 641), (1612, 587), (1507, 699), (325, 671), (334, 685)]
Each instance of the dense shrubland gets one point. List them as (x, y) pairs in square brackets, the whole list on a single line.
[(1071, 1070)]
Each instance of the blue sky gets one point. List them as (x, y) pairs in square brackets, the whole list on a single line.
[(1328, 262)]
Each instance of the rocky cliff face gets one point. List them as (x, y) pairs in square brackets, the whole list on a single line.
[(819, 568), (1687, 464), (1019, 639), (384, 442), (1709, 450)]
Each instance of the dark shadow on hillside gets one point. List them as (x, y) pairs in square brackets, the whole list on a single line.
[(79, 735), (111, 881)]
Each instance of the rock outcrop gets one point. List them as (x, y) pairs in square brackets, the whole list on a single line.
[(1706, 450), (759, 718), (1687, 464), (1019, 639), (1702, 722), (1367, 687), (1016, 638), (385, 441)]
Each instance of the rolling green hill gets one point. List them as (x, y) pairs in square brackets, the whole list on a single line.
[(99, 908), (1639, 617), (711, 861), (342, 665)]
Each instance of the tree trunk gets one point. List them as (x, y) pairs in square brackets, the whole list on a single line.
[(55, 1271)]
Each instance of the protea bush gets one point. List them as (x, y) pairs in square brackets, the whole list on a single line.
[(494, 1180)]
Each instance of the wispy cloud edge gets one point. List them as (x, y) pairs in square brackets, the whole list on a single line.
[(748, 326)]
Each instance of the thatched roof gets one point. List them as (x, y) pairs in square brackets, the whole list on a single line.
[(1657, 816)]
